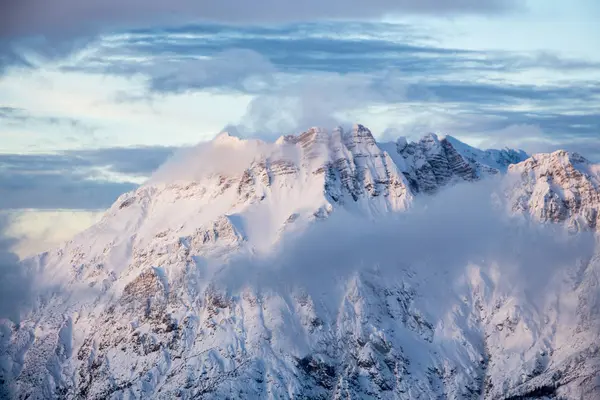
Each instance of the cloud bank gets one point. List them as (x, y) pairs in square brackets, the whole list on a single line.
[(438, 239), (72, 17), (225, 155), (329, 73), (78, 179), (15, 284)]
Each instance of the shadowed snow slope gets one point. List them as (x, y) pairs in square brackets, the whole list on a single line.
[(325, 265)]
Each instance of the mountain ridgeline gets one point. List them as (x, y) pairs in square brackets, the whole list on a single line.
[(306, 268)]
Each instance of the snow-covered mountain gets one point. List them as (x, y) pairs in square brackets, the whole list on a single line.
[(558, 187), (298, 269)]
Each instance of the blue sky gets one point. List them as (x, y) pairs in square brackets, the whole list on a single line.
[(92, 102)]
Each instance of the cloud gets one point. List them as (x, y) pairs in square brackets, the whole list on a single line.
[(12, 116), (35, 231), (535, 131), (9, 56), (498, 94), (295, 103), (331, 73), (324, 47), (72, 191), (515, 136), (74, 180), (533, 139), (226, 155), (142, 160), (234, 69), (315, 100), (85, 179), (15, 285), (545, 59), (31, 52), (439, 237), (71, 17), (559, 120)]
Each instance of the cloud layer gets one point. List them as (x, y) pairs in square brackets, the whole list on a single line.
[(85, 179), (329, 73), (15, 285), (72, 17), (437, 239)]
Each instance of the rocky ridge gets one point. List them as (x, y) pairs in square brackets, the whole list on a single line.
[(133, 311), (557, 187)]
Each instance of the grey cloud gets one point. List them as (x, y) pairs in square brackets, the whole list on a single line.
[(11, 116), (28, 52), (328, 47), (141, 160), (545, 130), (534, 140), (303, 74), (323, 74), (15, 285), (584, 123), (10, 57), (312, 100), (289, 102), (549, 60), (330, 98), (71, 17), (124, 160), (502, 93), (233, 69), (73, 179), (58, 191)]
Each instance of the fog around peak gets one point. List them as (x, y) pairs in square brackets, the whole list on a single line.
[(440, 237), (226, 155)]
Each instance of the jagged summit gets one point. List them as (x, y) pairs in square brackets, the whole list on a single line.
[(225, 138), (307, 176), (558, 187)]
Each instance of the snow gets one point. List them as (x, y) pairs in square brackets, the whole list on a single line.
[(498, 159), (315, 266)]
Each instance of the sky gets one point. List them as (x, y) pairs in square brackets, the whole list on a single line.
[(94, 96)]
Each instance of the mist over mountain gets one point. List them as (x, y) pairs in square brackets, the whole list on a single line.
[(325, 265)]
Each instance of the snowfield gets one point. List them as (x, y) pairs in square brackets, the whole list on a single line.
[(325, 265)]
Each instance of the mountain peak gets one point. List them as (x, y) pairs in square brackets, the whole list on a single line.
[(225, 138), (558, 187), (563, 155), (360, 128), (137, 311), (430, 136)]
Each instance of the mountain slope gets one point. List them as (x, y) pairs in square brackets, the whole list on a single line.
[(257, 274)]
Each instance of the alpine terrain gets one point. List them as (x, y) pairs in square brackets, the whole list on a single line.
[(325, 266)]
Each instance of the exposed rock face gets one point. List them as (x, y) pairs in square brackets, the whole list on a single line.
[(134, 311), (557, 187), (433, 163)]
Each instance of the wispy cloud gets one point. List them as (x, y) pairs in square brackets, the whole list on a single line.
[(70, 17), (232, 69), (327, 73), (11, 116), (297, 75), (86, 179), (332, 47)]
